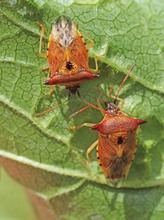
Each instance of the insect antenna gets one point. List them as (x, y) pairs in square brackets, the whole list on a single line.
[(79, 111), (105, 103), (123, 82), (86, 107), (51, 109)]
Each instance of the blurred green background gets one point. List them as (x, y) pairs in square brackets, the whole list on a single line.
[(14, 200)]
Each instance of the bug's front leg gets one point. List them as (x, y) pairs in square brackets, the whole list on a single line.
[(41, 39), (92, 145)]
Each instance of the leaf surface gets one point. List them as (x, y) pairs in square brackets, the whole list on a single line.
[(43, 153)]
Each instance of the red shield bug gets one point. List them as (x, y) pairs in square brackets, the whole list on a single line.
[(116, 144), (67, 56)]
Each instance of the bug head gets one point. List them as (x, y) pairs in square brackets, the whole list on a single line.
[(73, 90), (111, 108)]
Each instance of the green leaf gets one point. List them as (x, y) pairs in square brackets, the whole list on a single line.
[(42, 153)]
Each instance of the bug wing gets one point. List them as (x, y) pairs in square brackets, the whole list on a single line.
[(105, 154), (130, 147), (114, 158), (55, 56), (79, 53), (124, 163)]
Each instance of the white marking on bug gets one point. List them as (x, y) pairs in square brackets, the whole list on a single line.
[(64, 31)]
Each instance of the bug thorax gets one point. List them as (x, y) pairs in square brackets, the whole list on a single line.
[(64, 31), (112, 109)]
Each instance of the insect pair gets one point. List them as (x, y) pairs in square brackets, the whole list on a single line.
[(67, 55)]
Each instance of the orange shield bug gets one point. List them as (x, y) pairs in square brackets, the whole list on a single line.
[(116, 144), (67, 55)]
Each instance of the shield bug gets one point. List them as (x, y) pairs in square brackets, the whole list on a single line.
[(67, 55), (116, 144)]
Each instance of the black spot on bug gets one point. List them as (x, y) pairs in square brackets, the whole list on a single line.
[(100, 164), (120, 140), (69, 65)]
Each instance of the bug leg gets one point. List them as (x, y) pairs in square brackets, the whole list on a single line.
[(45, 68), (99, 102), (82, 125), (51, 109), (86, 107), (96, 70), (79, 111), (76, 24), (91, 42), (110, 93), (51, 91), (96, 65), (41, 39), (92, 145), (99, 108), (90, 149), (99, 98)]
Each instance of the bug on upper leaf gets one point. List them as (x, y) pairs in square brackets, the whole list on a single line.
[(116, 144), (67, 56)]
